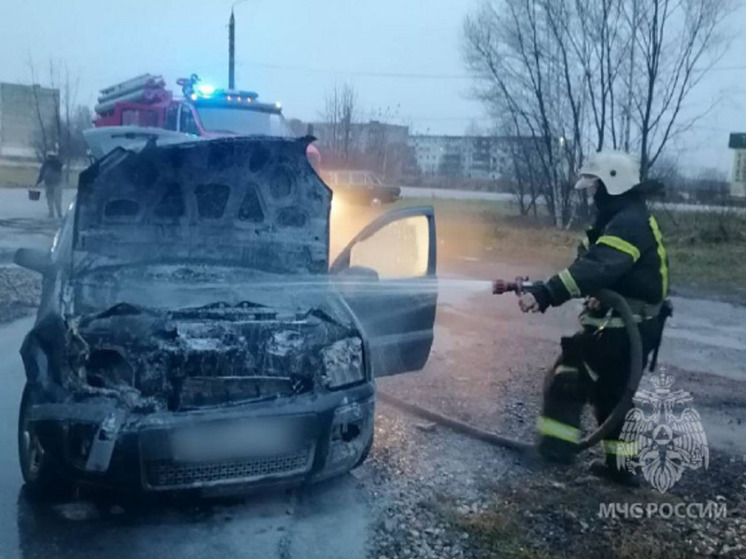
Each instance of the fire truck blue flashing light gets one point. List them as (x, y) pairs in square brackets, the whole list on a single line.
[(206, 90)]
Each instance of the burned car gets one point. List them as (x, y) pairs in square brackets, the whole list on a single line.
[(192, 333)]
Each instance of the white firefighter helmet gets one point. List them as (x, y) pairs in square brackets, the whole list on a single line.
[(619, 171)]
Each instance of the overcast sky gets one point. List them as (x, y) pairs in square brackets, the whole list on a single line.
[(294, 51)]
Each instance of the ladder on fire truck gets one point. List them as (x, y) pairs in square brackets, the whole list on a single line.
[(146, 88)]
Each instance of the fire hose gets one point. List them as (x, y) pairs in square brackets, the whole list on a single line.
[(608, 299)]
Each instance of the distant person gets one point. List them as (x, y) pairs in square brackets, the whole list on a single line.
[(51, 174)]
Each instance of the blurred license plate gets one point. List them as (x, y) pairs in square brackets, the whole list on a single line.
[(234, 440)]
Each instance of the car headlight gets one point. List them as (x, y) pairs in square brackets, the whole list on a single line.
[(343, 363)]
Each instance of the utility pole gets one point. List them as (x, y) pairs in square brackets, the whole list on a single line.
[(232, 51)]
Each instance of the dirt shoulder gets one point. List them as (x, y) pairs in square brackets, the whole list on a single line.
[(19, 293), (707, 251), (487, 367), (559, 513)]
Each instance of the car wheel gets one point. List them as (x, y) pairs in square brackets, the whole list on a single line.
[(42, 473)]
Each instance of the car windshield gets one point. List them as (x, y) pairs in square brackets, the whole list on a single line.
[(243, 121)]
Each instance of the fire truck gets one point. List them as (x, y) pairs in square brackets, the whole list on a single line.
[(201, 111)]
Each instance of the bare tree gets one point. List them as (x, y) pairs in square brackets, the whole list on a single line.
[(580, 75), (341, 117), (45, 136), (679, 41), (82, 119), (62, 130), (521, 173), (385, 140), (523, 62), (67, 108)]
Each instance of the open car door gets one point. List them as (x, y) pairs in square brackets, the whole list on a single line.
[(387, 276)]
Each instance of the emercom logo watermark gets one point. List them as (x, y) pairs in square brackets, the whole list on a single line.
[(710, 510), (663, 435)]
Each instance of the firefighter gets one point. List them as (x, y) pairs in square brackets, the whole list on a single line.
[(624, 252), (51, 174)]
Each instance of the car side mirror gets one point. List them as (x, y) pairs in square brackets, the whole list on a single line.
[(34, 259)]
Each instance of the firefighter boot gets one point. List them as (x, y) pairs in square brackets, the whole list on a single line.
[(609, 469), (560, 419)]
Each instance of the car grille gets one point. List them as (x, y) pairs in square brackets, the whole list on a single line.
[(166, 474)]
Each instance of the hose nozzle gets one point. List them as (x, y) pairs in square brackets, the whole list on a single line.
[(519, 286)]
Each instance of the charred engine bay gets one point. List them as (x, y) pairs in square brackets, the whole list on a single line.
[(181, 360)]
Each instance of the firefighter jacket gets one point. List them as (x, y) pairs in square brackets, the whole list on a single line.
[(627, 255)]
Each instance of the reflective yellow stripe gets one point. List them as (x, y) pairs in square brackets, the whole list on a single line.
[(662, 255), (615, 322), (591, 373), (569, 282), (621, 245), (565, 369), (620, 448), (553, 428)]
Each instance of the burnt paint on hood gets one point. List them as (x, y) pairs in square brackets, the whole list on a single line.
[(253, 202)]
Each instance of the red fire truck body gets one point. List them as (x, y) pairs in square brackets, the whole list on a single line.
[(203, 111)]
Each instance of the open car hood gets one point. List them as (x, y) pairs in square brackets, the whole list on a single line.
[(253, 202), (102, 141)]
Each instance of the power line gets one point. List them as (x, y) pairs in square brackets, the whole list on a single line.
[(406, 75), (724, 68), (395, 75)]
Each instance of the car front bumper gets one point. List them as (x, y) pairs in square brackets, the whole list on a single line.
[(97, 443)]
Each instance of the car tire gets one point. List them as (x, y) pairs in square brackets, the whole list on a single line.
[(42, 472)]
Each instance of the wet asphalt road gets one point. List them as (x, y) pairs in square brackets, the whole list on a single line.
[(325, 521)]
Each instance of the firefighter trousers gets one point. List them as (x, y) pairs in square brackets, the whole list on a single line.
[(593, 368)]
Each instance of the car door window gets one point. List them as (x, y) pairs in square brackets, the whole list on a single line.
[(380, 275), (397, 251)]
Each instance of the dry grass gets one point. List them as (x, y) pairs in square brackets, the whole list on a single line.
[(23, 177), (707, 251), (12, 176), (500, 536), (494, 533), (484, 229)]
